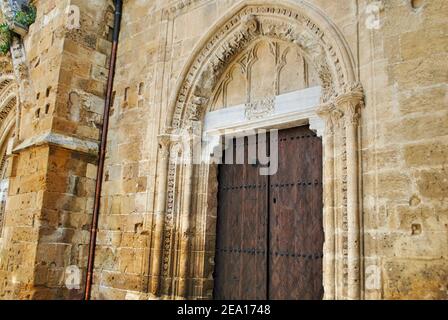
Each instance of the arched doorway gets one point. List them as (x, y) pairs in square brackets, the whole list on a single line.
[(269, 226), (185, 227)]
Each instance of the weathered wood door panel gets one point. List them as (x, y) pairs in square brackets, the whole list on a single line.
[(241, 247), (295, 218), (269, 232)]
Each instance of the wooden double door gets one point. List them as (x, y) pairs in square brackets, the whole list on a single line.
[(269, 231)]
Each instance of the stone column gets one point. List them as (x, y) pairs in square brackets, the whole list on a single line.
[(162, 175), (185, 231), (327, 113), (191, 155), (350, 104)]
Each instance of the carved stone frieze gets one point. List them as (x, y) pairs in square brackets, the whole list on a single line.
[(172, 185), (260, 109)]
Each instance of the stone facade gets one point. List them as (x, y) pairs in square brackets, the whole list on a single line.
[(382, 115)]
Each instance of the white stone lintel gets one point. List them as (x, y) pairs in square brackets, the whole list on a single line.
[(290, 109)]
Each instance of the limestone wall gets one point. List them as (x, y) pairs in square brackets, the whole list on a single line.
[(62, 76), (404, 128), (404, 123)]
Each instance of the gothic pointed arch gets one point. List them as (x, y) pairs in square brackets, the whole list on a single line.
[(190, 204), (297, 22), (8, 119)]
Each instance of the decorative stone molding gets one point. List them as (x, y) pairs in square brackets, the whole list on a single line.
[(259, 109), (168, 223), (248, 23), (9, 102), (22, 79), (164, 144), (197, 103), (19, 63), (160, 212), (190, 199), (9, 105), (8, 96), (8, 113), (179, 7), (350, 103), (19, 60), (331, 115)]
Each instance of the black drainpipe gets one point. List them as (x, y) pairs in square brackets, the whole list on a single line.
[(102, 151)]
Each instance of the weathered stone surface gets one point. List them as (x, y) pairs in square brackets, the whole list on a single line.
[(51, 165), (415, 279)]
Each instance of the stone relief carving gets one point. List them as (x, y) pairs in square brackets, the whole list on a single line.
[(7, 103), (8, 97), (19, 59), (342, 115), (170, 209), (197, 104), (239, 84), (248, 24), (260, 109)]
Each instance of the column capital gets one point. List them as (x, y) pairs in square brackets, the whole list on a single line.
[(164, 141), (330, 114), (350, 101)]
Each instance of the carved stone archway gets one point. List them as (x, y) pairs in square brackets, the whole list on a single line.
[(8, 130), (182, 263)]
